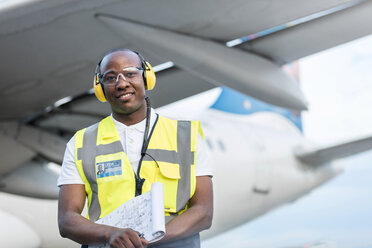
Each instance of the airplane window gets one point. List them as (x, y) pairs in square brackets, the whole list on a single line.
[(209, 143), (222, 146)]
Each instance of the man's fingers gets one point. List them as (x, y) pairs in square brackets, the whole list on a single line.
[(127, 238), (136, 240), (145, 243)]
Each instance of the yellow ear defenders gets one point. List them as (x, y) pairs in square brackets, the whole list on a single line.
[(148, 75)]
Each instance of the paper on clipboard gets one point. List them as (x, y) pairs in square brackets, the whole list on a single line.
[(144, 214)]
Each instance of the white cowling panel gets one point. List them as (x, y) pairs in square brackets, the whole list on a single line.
[(34, 179), (12, 153), (15, 233)]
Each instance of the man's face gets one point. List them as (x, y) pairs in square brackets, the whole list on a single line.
[(126, 96)]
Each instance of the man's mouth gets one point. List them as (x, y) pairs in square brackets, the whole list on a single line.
[(126, 96)]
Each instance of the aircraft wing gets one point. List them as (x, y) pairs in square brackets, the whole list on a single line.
[(52, 47), (325, 154)]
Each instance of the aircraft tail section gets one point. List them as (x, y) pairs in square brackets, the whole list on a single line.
[(326, 154)]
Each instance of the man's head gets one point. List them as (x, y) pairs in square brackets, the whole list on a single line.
[(120, 73), (148, 74)]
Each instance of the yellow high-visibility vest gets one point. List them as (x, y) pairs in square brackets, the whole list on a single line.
[(109, 178)]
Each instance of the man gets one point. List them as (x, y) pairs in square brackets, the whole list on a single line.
[(134, 147)]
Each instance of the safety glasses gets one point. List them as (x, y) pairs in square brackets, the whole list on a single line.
[(128, 74)]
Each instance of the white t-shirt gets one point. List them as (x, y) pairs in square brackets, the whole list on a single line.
[(131, 138)]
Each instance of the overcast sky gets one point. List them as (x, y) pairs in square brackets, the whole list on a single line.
[(338, 86)]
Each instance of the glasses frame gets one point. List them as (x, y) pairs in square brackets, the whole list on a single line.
[(101, 76)]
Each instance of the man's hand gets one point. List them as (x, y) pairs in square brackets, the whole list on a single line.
[(127, 238), (74, 226)]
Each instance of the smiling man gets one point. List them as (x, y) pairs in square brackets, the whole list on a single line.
[(120, 157)]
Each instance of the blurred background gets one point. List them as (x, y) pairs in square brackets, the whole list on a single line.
[(337, 84)]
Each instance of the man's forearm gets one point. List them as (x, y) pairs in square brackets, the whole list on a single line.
[(198, 217), (192, 221), (81, 230)]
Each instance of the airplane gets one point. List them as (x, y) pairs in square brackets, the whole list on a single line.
[(49, 50)]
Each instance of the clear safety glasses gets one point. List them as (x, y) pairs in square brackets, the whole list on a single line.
[(128, 74)]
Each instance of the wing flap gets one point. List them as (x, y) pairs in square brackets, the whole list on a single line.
[(314, 36)]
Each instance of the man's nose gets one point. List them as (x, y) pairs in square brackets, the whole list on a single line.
[(122, 82), (118, 77)]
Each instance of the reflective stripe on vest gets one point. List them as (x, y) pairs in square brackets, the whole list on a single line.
[(185, 158), (172, 144)]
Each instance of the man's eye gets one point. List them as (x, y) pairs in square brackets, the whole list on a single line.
[(130, 74), (109, 78)]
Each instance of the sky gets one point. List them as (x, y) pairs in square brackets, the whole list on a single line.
[(338, 86)]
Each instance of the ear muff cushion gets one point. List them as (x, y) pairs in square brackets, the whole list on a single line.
[(98, 91), (149, 76)]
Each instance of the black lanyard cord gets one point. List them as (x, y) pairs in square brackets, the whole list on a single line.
[(145, 136)]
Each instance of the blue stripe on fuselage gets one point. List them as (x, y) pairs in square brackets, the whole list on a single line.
[(235, 102)]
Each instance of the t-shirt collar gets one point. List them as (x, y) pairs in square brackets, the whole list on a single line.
[(140, 126)]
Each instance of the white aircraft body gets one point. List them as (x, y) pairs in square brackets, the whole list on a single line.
[(49, 50)]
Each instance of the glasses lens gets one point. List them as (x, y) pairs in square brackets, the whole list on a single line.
[(132, 72), (109, 78)]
